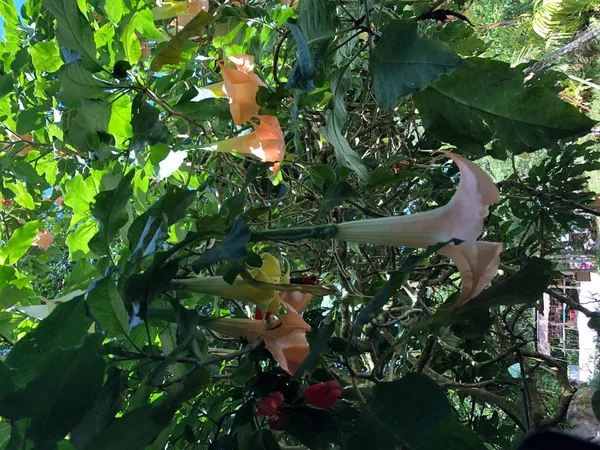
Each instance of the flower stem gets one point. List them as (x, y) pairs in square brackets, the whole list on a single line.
[(295, 234)]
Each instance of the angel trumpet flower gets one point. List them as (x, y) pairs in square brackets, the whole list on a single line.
[(240, 85), (44, 240), (284, 338), (265, 143), (185, 11), (461, 218), (265, 299)]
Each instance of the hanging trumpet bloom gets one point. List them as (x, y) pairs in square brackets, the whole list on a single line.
[(266, 299), (285, 338), (44, 240), (185, 11), (240, 85), (461, 218), (265, 143)]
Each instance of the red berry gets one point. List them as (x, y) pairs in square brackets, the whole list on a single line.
[(278, 422), (270, 405), (323, 395)]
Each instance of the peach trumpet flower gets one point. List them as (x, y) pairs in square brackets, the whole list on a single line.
[(265, 143), (461, 218), (240, 85), (266, 299), (285, 338), (185, 11), (44, 240)]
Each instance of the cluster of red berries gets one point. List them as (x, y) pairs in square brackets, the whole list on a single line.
[(321, 395)]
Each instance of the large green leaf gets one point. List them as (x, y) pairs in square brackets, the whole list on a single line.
[(64, 328), (334, 194), (489, 101), (78, 240), (110, 211), (72, 28), (77, 83), (45, 57), (56, 398), (135, 430), (403, 62), (414, 412), (144, 233), (336, 117), (96, 114), (171, 52), (79, 194), (146, 125), (107, 306), (232, 249), (317, 21), (524, 287), (102, 413), (19, 243)]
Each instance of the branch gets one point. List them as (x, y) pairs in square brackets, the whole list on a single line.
[(566, 390), (570, 302), (549, 197), (571, 46), (196, 362), (510, 409)]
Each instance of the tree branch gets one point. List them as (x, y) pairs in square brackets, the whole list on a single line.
[(571, 46)]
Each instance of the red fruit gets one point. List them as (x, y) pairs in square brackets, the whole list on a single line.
[(6, 202), (270, 405), (323, 395), (278, 422), (258, 314)]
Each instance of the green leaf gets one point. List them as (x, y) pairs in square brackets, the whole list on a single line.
[(79, 195), (120, 117), (45, 57), (171, 52), (72, 28), (22, 195), (334, 194), (472, 106), (78, 240), (57, 398), (399, 70), (19, 243), (414, 412), (107, 405), (77, 83), (109, 209), (146, 125), (107, 306), (318, 340), (320, 174), (64, 328), (114, 10), (317, 21), (144, 233), (232, 249), (336, 117), (135, 430), (203, 109), (304, 72), (96, 114), (524, 287)]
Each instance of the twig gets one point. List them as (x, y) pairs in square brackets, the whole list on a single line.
[(196, 362), (276, 55), (571, 46), (549, 197)]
